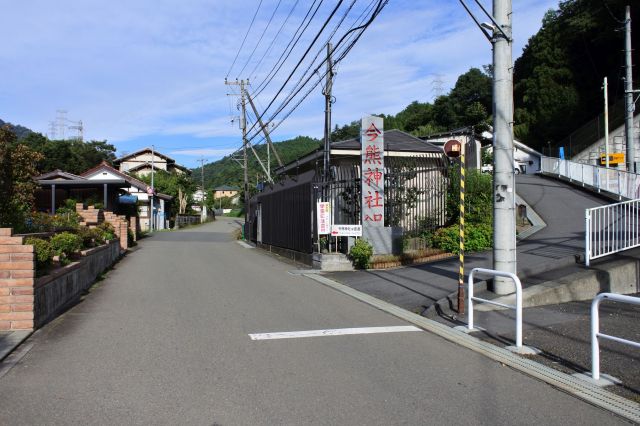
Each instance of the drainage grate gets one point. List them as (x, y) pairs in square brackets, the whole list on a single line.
[(574, 386)]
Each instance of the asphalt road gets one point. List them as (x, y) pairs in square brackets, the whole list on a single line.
[(164, 340)]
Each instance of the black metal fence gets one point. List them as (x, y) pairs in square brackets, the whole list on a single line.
[(281, 215), (415, 194)]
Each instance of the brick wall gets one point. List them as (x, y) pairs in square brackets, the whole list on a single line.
[(92, 217), (17, 275)]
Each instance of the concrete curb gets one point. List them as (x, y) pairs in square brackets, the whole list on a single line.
[(581, 389), (536, 221), (10, 342)]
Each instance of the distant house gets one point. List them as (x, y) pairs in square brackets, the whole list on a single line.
[(160, 211), (346, 154), (283, 214), (225, 191), (143, 161), (58, 186)]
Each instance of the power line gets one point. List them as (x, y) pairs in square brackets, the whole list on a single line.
[(266, 52), (271, 74), (346, 36), (343, 50), (245, 39), (326, 22), (260, 39)]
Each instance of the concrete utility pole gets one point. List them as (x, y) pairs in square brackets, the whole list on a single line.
[(327, 115), (504, 222), (605, 87), (243, 126), (628, 91), (153, 155), (202, 160), (244, 153)]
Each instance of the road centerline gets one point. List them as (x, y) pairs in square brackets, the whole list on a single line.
[(332, 332)]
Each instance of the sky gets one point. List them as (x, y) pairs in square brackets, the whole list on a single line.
[(152, 72)]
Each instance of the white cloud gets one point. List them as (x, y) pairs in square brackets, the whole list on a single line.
[(133, 70)]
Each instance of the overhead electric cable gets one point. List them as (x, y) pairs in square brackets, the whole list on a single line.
[(381, 5), (326, 22), (266, 52), (280, 62), (260, 39), (243, 40)]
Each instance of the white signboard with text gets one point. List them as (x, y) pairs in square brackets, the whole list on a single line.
[(324, 217), (346, 231), (372, 169)]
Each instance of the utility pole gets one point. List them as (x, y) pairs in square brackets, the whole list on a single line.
[(243, 126), (504, 223), (628, 91), (327, 116), (202, 160), (605, 87), (153, 189)]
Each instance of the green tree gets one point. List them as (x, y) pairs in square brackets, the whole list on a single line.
[(171, 183), (17, 187), (73, 156)]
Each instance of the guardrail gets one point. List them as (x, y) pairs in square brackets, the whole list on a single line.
[(595, 329), (618, 182), (517, 307), (610, 229)]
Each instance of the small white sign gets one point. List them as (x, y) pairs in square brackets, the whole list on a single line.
[(346, 231), (324, 218)]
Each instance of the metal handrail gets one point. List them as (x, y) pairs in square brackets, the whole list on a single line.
[(595, 328), (610, 229), (517, 307)]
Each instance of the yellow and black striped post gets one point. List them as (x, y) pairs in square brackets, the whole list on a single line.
[(461, 273)]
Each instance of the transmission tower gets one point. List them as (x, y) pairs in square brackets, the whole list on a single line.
[(52, 130), (79, 127), (437, 85), (61, 123)]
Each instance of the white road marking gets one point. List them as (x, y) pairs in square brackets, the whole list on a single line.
[(332, 332), (245, 245)]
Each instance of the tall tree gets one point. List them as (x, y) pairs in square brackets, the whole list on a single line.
[(18, 165)]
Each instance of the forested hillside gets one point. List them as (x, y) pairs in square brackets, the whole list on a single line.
[(20, 131), (228, 172), (559, 76)]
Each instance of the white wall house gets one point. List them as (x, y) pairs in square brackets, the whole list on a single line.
[(159, 213), (143, 161)]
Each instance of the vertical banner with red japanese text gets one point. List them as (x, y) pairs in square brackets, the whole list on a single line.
[(372, 171), (324, 218)]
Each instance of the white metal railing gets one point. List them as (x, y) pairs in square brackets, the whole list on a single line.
[(517, 307), (623, 184), (610, 229), (595, 329)]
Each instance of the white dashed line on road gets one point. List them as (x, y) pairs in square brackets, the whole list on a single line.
[(332, 332)]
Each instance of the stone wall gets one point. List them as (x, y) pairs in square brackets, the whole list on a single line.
[(27, 302)]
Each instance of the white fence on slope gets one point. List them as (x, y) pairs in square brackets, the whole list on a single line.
[(619, 182), (611, 229)]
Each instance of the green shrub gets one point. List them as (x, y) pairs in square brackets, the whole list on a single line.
[(65, 219), (361, 253), (477, 237), (43, 250), (131, 241), (107, 230), (97, 235), (65, 244), (86, 235), (39, 222)]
